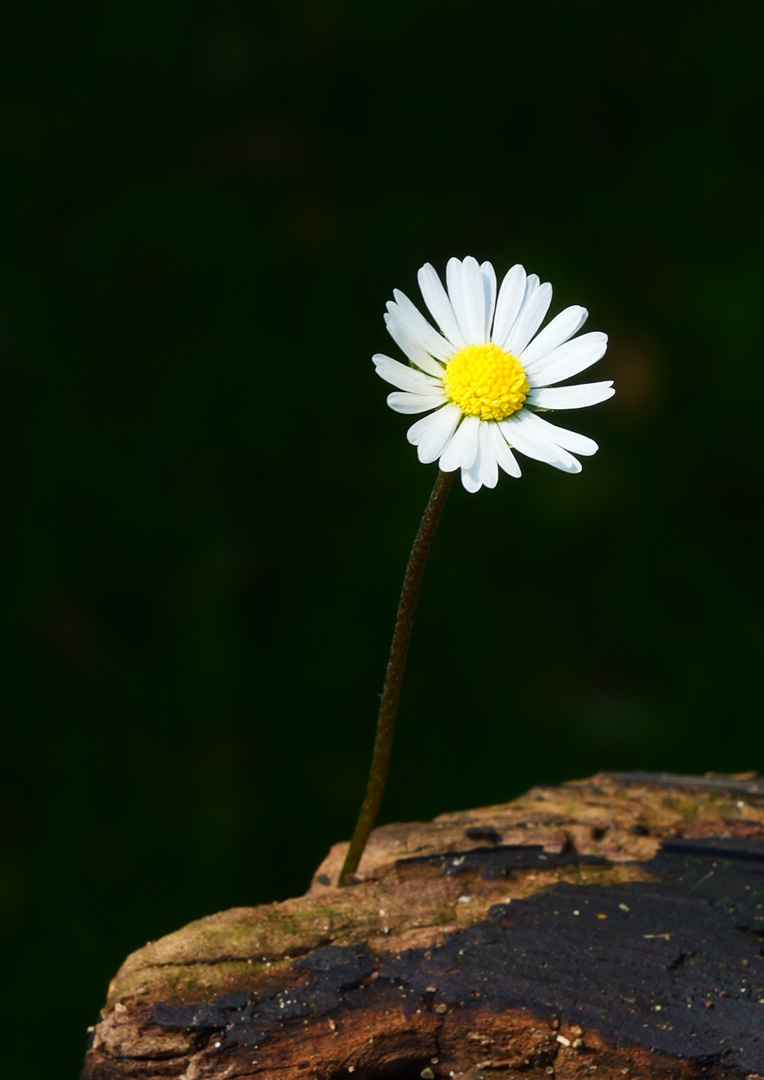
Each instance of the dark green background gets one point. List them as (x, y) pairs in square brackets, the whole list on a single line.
[(207, 505)]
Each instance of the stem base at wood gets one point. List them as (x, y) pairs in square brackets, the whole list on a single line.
[(609, 927)]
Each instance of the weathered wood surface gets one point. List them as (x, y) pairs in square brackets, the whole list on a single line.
[(606, 928)]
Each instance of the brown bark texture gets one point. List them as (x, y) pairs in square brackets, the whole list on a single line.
[(608, 928)]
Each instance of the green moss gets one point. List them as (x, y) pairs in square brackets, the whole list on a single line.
[(185, 982), (442, 914)]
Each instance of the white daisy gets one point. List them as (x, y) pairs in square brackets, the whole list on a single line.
[(485, 377)]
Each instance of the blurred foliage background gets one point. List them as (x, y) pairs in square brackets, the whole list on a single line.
[(207, 505)]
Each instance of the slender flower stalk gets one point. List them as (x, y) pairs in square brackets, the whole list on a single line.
[(396, 665)]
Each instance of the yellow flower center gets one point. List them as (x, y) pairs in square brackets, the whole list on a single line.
[(486, 381)]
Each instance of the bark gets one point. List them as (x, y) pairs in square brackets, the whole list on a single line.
[(610, 928)]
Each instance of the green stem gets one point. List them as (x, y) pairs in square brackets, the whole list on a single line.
[(396, 665)]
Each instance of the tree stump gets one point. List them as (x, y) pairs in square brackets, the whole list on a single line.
[(609, 927)]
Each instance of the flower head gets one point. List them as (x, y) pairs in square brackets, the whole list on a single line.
[(486, 376)]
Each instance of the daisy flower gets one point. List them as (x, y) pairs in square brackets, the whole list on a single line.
[(487, 374)]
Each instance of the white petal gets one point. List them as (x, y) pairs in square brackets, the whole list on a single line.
[(571, 397), (489, 281), (439, 305), (405, 378), (485, 462), (567, 463), (480, 472), (466, 292), (430, 366), (412, 347), (462, 450), (522, 435), (532, 286), (508, 304), (523, 441), (503, 455), (420, 329), (535, 307), (568, 359), (562, 327), (471, 480), (402, 336), (433, 433), (569, 440), (402, 402)]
